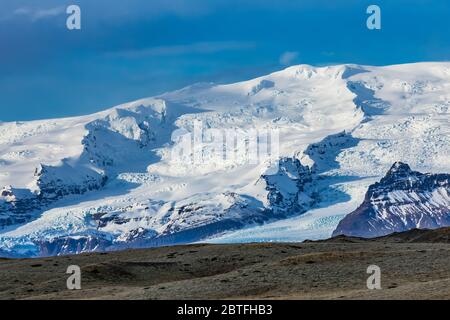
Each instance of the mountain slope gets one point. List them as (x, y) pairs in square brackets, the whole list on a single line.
[(116, 179), (401, 201)]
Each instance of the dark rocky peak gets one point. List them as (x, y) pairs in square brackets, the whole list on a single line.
[(400, 169), (401, 177), (398, 172), (402, 200)]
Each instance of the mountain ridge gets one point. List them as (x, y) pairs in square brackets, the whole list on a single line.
[(402, 200), (357, 117)]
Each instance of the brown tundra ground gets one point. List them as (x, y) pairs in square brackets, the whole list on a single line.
[(414, 265)]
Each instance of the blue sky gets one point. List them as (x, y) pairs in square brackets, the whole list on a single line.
[(138, 48)]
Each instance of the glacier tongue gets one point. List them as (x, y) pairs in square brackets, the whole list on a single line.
[(108, 180)]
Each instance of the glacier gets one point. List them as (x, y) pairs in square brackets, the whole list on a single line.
[(108, 181)]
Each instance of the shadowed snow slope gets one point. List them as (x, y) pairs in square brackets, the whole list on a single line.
[(109, 180)]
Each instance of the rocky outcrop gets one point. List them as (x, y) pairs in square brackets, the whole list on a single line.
[(290, 189), (17, 205), (73, 245), (52, 183), (402, 200), (57, 182)]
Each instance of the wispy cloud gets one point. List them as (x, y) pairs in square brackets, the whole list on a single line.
[(35, 14), (192, 48), (288, 57)]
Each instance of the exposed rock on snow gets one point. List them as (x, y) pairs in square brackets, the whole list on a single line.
[(402, 200)]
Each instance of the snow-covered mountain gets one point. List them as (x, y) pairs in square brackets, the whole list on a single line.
[(112, 180), (402, 200)]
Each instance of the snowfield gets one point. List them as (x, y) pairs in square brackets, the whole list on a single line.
[(110, 180)]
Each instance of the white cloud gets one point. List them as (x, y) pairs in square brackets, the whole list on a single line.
[(38, 14), (288, 57)]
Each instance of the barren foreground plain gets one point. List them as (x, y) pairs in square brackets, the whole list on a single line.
[(414, 265)]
